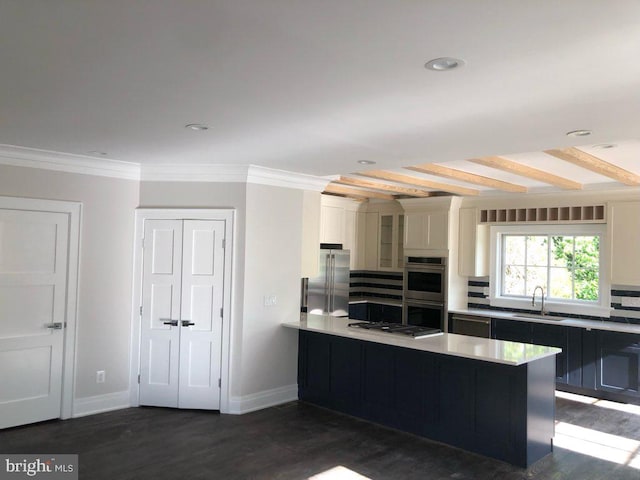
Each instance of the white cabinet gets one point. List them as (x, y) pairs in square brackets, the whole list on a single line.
[(473, 245), (428, 230), (339, 223), (390, 245), (624, 234), (371, 232)]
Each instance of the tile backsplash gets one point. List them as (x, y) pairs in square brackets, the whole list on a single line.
[(625, 302), (365, 283)]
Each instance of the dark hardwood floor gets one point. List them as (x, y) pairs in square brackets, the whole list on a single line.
[(298, 441)]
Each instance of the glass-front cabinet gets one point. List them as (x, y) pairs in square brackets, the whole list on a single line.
[(391, 239)]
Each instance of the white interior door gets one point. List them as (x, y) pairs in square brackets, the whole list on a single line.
[(201, 319), (181, 322), (160, 329), (33, 291)]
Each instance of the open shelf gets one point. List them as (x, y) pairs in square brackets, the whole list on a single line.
[(587, 213)]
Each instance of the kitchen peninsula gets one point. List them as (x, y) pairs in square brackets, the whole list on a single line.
[(487, 396)]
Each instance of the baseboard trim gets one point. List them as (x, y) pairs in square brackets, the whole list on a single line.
[(100, 403), (264, 399)]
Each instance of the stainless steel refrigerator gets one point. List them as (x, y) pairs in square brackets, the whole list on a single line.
[(328, 293)]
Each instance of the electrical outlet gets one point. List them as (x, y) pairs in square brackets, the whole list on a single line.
[(100, 376), (270, 300), (630, 301)]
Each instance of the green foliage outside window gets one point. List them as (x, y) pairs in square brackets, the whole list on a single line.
[(566, 266)]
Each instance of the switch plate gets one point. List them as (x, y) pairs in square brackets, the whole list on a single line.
[(100, 376), (270, 300)]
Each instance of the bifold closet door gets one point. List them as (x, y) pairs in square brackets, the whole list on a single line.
[(181, 329)]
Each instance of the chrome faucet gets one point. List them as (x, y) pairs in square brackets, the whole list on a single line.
[(533, 299)]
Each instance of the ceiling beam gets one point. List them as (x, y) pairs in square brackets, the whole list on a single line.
[(420, 182), (356, 193), (526, 171), (356, 182), (441, 171), (589, 162)]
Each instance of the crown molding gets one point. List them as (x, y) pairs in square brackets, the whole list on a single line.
[(194, 173), (283, 178), (232, 173), (66, 162)]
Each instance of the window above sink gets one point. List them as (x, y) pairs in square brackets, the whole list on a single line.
[(567, 261)]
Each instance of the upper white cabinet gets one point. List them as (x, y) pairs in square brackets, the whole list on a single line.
[(426, 230), (429, 227), (339, 223), (473, 245), (390, 245), (623, 219)]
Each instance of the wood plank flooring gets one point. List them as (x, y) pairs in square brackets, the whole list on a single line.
[(295, 441)]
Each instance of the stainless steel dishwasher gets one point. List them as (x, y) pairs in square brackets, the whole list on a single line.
[(468, 325)]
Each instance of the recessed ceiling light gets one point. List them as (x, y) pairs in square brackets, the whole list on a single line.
[(366, 162), (604, 146), (196, 126), (444, 63), (97, 153), (579, 133)]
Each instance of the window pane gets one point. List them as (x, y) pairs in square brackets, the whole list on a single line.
[(536, 276), (514, 249), (586, 281), (513, 280), (560, 284), (561, 249), (587, 252), (537, 250)]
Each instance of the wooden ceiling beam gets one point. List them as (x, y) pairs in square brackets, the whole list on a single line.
[(356, 193), (420, 182), (510, 166), (455, 174), (356, 182), (595, 164)]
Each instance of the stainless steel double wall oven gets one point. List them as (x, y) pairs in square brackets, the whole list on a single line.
[(424, 295)]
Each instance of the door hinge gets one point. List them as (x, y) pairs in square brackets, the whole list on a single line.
[(140, 310), (221, 312), (219, 383), (138, 378)]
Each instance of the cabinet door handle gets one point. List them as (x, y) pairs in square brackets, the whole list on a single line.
[(187, 323), (168, 321)]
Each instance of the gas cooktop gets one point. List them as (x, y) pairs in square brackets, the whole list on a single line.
[(413, 331)]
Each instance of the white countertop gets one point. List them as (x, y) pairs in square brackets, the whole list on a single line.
[(566, 322), (484, 349)]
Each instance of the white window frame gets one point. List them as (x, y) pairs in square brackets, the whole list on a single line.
[(601, 308)]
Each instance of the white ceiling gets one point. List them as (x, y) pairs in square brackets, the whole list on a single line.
[(313, 86)]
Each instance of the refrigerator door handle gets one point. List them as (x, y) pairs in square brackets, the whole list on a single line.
[(327, 283), (332, 290)]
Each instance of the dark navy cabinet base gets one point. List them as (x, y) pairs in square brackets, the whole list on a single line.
[(501, 411)]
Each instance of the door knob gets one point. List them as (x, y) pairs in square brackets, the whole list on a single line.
[(168, 321), (54, 326), (187, 323)]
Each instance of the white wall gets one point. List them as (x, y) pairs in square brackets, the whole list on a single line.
[(106, 250), (272, 267)]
